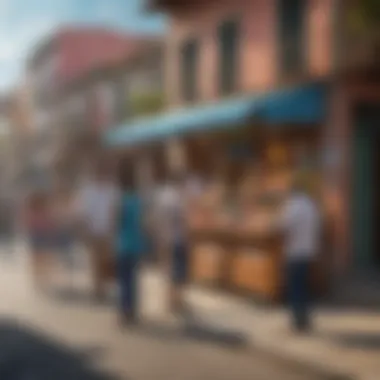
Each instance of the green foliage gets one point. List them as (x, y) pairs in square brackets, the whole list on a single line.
[(147, 103)]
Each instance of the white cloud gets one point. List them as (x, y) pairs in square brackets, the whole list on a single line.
[(24, 22), (15, 46), (9, 74), (8, 51), (5, 6)]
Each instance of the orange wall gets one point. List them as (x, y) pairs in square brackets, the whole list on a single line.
[(320, 36), (258, 69)]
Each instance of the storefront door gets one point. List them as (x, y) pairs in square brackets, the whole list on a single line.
[(366, 190)]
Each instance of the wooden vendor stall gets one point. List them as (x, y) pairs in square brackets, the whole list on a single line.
[(234, 236), (246, 171)]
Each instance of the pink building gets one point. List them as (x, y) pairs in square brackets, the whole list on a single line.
[(283, 43), (266, 39), (243, 62), (59, 62), (71, 54)]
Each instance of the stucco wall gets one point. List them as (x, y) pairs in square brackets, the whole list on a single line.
[(258, 69), (320, 36)]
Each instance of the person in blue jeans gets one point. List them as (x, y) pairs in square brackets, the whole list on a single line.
[(174, 205), (130, 245), (301, 224)]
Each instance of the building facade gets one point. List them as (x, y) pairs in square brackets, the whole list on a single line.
[(110, 95), (238, 62), (20, 118), (266, 44), (59, 62)]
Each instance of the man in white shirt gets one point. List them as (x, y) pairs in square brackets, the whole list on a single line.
[(172, 210), (301, 225), (194, 186), (97, 204)]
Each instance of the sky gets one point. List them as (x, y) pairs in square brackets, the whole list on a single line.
[(24, 22)]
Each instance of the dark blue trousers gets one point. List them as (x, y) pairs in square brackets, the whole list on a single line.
[(299, 292), (128, 278)]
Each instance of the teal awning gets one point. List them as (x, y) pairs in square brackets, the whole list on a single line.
[(300, 105)]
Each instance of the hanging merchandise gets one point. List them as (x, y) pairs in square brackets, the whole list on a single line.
[(175, 153)]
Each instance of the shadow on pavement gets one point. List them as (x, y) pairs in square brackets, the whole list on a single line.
[(210, 334), (191, 330), (200, 330), (359, 340), (339, 306), (26, 354), (80, 297)]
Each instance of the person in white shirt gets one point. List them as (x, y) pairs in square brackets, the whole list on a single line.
[(194, 185), (97, 206), (301, 225), (173, 224)]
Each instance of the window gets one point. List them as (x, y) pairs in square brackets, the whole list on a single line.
[(291, 29), (189, 57), (228, 37)]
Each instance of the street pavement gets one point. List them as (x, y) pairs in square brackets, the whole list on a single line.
[(161, 348)]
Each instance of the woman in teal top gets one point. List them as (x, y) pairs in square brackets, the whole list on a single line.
[(130, 244)]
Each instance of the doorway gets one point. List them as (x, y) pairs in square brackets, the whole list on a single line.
[(366, 189)]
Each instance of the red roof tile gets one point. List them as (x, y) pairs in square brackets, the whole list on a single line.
[(83, 50)]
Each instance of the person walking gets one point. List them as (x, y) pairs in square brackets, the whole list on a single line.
[(65, 235), (6, 226), (96, 205), (39, 224), (130, 244), (174, 229), (300, 223)]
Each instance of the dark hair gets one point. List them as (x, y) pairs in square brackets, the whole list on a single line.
[(126, 176)]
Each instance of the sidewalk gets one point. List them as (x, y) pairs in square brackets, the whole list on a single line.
[(344, 343), (156, 349)]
